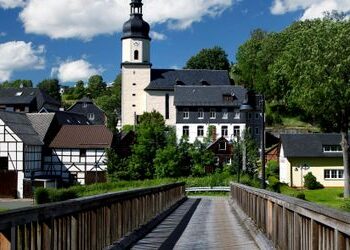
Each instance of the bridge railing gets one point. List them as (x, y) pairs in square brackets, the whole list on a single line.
[(291, 223), (86, 223)]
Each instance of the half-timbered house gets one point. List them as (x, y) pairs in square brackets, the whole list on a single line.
[(79, 153), (20, 153)]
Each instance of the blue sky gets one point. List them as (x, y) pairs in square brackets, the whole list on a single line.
[(71, 40)]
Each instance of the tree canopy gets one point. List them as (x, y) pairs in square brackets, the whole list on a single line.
[(51, 87), (306, 66), (214, 59)]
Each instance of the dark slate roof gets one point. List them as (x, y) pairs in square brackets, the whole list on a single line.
[(208, 95), (166, 79), (41, 122), (71, 118), (77, 136), (309, 145), (22, 127), (79, 108), (8, 96)]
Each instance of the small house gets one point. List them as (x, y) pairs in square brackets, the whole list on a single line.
[(320, 154)]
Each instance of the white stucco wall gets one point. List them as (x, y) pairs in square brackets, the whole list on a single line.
[(156, 101), (130, 45), (134, 80), (284, 165), (193, 130)]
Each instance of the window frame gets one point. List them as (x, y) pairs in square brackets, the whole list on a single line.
[(186, 128), (186, 114), (224, 131), (225, 114), (200, 113), (212, 113), (200, 131), (333, 174)]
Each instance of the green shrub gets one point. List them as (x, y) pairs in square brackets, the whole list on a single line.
[(41, 195), (274, 184), (341, 195), (310, 182), (272, 169), (300, 195), (346, 205), (250, 181)]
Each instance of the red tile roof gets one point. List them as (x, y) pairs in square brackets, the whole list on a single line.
[(83, 136)]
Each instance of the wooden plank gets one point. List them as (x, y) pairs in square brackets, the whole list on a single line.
[(5, 240)]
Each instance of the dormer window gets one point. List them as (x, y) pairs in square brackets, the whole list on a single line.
[(19, 93), (84, 105), (200, 113), (212, 114), (91, 116), (136, 55)]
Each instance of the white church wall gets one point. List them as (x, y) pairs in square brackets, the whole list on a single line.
[(156, 101)]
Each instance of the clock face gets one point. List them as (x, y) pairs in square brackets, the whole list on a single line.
[(136, 44)]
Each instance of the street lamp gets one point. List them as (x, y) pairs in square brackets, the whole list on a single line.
[(246, 108)]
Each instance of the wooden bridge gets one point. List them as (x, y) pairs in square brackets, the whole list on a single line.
[(163, 218)]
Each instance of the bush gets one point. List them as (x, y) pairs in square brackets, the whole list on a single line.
[(250, 181), (341, 195), (310, 182), (272, 169), (300, 195), (274, 184), (42, 195), (346, 205)]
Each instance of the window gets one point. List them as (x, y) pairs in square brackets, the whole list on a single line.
[(186, 114), (257, 131), (200, 113), (257, 115), (222, 145), (236, 131), (19, 93), (167, 106), (333, 174), (84, 105), (133, 94), (332, 149), (212, 114), (224, 114), (185, 131), (249, 115), (228, 98), (82, 153), (200, 131), (136, 55), (91, 116), (134, 84), (224, 131), (4, 163), (237, 114)]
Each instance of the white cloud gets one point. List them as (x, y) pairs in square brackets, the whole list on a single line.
[(312, 8), (158, 36), (72, 71), (18, 55), (7, 4), (85, 19)]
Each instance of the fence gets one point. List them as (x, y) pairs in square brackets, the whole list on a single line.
[(292, 223), (85, 223)]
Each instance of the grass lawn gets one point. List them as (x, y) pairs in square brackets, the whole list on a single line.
[(328, 196), (2, 209)]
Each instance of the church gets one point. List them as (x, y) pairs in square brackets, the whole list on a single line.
[(190, 100)]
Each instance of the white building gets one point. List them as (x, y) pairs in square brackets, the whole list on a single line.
[(145, 89)]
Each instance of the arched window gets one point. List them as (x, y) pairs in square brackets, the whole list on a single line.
[(136, 55)]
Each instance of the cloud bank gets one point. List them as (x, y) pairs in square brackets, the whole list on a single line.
[(72, 71), (85, 19), (312, 8), (19, 55)]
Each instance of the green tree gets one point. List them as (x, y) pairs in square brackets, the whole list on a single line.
[(200, 158), (214, 59), (96, 86), (79, 90), (51, 87), (316, 62), (17, 84), (110, 103), (150, 137)]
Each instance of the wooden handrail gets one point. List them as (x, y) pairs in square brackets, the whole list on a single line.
[(88, 222), (292, 223)]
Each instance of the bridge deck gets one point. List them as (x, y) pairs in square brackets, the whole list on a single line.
[(212, 226)]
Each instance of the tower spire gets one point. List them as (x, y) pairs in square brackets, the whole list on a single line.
[(136, 7)]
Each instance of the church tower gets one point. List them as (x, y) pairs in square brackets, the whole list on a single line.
[(136, 66)]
